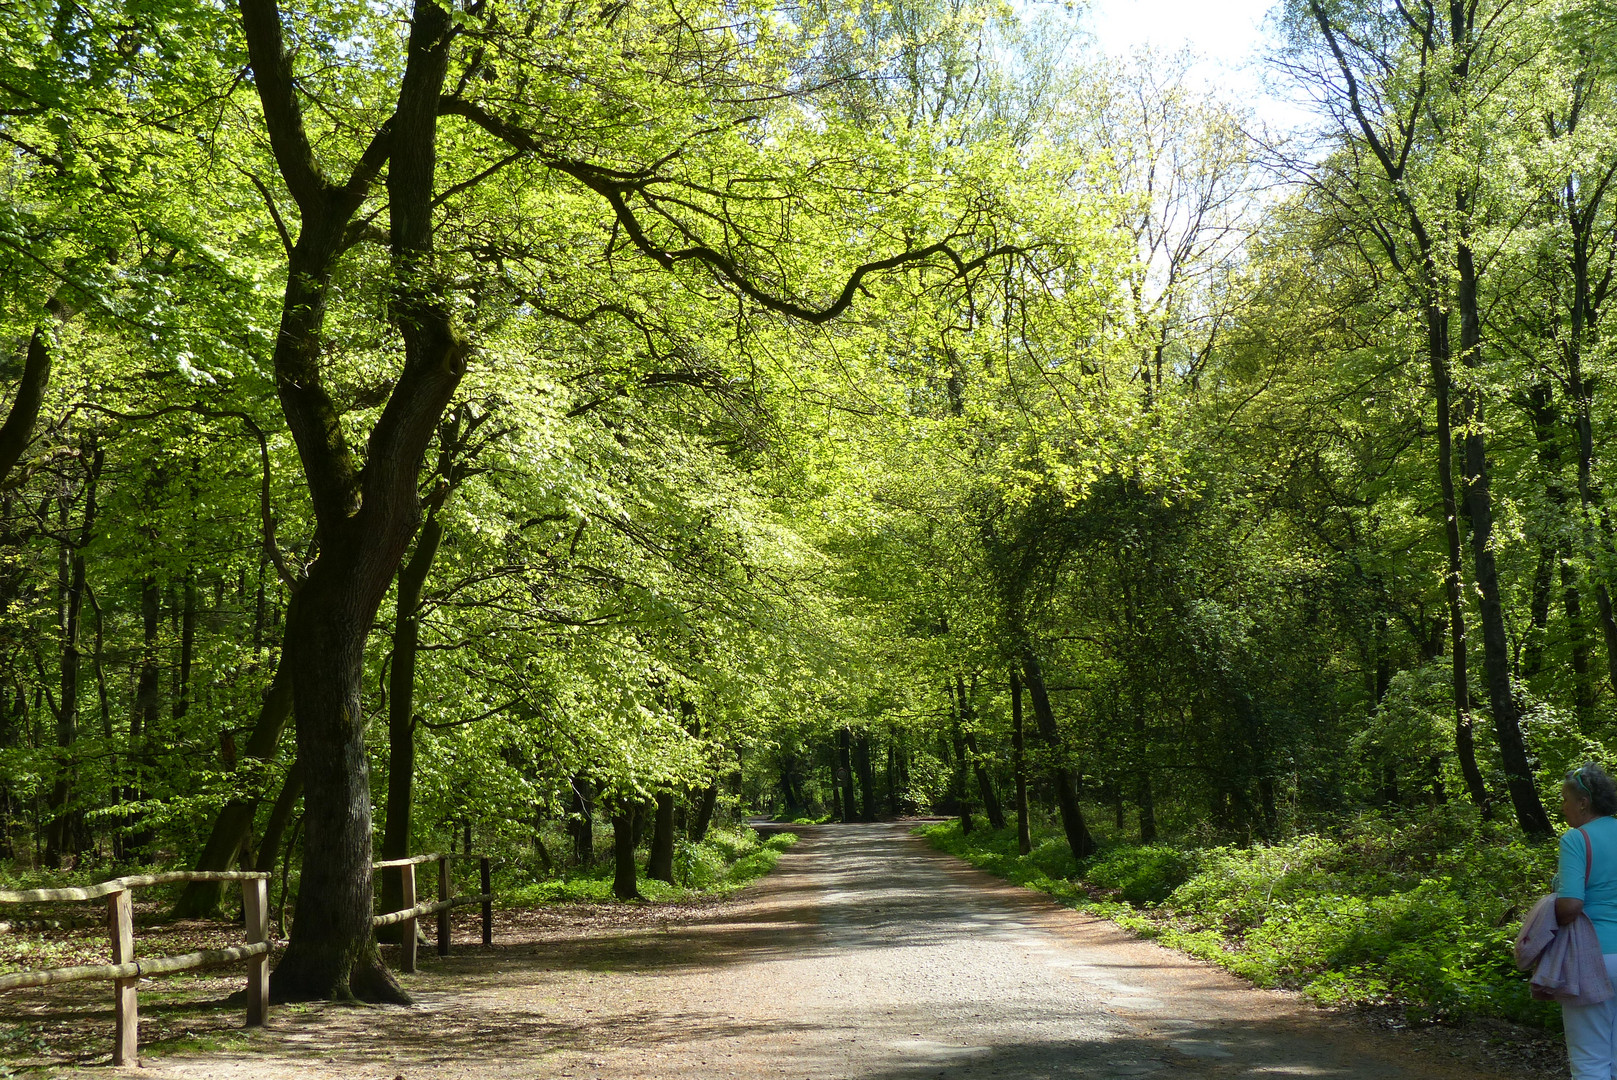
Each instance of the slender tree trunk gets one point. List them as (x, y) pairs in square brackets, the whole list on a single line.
[(660, 860), (1583, 683), (1454, 582), (65, 835), (985, 782), (401, 718), (845, 774), (235, 820), (581, 822), (188, 638), (704, 813), (1024, 837), (280, 816), (1072, 815), (143, 717), (836, 788), (1538, 611), (18, 430), (1530, 813), (867, 778), (1144, 790)]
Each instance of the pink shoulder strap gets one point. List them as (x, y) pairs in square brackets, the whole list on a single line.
[(1588, 857)]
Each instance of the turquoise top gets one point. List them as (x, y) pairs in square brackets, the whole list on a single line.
[(1600, 895)]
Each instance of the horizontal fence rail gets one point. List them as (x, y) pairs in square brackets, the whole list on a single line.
[(413, 911), (125, 971)]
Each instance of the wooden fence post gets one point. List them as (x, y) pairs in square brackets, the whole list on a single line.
[(255, 912), (126, 1015), (407, 928), (443, 895), (488, 905)]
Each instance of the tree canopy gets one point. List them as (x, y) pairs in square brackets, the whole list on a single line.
[(426, 417)]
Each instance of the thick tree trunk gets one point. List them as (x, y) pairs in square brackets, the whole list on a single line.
[(660, 860), (625, 885), (366, 515), (333, 950), (1530, 813), (235, 821), (1024, 837), (1072, 815)]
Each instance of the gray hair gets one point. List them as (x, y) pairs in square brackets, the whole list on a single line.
[(1593, 783)]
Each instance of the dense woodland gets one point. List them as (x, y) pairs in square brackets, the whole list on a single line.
[(433, 425)]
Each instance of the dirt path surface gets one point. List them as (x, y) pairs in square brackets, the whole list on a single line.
[(865, 956)]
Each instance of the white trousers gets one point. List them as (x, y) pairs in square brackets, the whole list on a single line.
[(1591, 1034)]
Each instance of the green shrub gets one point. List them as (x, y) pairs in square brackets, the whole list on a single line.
[(1143, 875)]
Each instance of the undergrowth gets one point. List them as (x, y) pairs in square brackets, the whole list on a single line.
[(722, 863), (1417, 911)]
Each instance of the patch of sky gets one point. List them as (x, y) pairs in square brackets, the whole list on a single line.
[(1230, 40)]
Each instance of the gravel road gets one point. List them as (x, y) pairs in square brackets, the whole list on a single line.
[(865, 956)]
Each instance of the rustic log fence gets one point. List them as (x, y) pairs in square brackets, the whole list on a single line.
[(124, 972), (447, 901)]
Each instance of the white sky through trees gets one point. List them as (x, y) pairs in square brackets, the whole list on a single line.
[(1229, 38)]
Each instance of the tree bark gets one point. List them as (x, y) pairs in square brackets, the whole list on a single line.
[(625, 886), (581, 822), (64, 835), (845, 774), (18, 430), (985, 782), (867, 778), (280, 816), (188, 637), (704, 813), (660, 860), (365, 516), (1072, 815), (235, 820), (1024, 838), (401, 718), (1524, 798)]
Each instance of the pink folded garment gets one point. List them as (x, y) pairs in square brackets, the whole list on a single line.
[(1565, 960)]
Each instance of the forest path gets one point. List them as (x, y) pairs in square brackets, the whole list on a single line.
[(866, 955)]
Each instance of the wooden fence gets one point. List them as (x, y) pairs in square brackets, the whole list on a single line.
[(124, 972), (412, 911)]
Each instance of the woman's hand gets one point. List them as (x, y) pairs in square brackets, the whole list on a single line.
[(1567, 909)]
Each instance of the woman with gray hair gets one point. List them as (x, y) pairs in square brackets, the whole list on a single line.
[(1586, 884)]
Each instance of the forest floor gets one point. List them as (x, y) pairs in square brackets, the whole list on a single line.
[(866, 955)]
